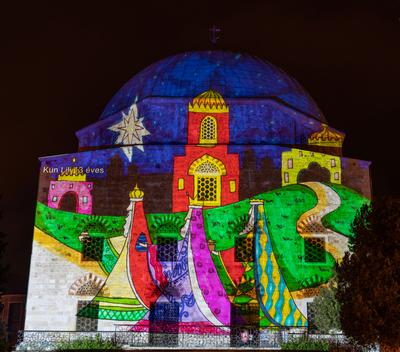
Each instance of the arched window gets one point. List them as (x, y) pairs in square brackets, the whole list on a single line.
[(207, 173), (88, 285), (208, 130), (207, 183)]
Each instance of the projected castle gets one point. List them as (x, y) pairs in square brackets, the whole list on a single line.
[(210, 199)]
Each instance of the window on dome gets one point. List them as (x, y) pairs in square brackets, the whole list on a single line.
[(244, 249), (87, 315), (286, 177), (167, 249), (92, 248), (88, 289), (207, 172), (164, 324), (207, 189), (208, 183), (314, 250), (208, 130)]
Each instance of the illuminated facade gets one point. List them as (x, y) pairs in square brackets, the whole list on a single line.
[(223, 202)]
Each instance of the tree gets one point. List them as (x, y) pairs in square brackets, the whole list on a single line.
[(326, 309), (369, 277), (3, 267)]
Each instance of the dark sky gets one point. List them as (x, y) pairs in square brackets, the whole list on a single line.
[(60, 64)]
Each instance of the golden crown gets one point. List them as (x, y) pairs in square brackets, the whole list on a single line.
[(256, 201), (136, 193), (72, 174)]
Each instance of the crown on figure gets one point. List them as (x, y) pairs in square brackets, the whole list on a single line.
[(209, 101), (256, 201), (194, 202), (137, 193)]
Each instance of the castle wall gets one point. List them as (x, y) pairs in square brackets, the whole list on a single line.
[(81, 190), (49, 306)]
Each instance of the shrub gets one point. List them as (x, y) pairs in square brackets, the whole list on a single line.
[(4, 346), (305, 344), (326, 309), (88, 343), (369, 280)]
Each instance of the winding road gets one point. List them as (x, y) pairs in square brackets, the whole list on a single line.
[(310, 224)]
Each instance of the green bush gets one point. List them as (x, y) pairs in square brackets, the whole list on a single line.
[(88, 343), (326, 309), (304, 344), (4, 346)]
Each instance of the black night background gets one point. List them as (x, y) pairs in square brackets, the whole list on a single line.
[(62, 62)]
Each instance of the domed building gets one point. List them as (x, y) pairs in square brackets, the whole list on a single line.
[(211, 200)]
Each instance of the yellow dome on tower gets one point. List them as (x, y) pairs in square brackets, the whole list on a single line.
[(327, 137), (208, 101)]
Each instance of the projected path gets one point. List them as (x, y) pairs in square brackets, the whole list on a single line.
[(310, 226)]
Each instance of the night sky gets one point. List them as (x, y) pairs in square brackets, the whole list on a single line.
[(60, 65)]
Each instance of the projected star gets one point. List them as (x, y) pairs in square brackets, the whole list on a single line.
[(131, 131)]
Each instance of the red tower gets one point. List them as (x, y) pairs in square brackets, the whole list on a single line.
[(206, 173)]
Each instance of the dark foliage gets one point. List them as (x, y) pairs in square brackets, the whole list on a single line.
[(369, 278), (3, 267), (326, 309)]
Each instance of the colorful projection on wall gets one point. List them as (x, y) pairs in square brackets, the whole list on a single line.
[(233, 235), (198, 267)]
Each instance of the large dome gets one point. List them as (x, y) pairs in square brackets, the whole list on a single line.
[(233, 75)]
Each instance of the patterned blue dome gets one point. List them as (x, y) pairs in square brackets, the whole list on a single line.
[(233, 75)]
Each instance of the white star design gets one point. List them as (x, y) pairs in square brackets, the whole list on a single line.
[(131, 131)]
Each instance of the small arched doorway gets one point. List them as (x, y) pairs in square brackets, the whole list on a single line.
[(207, 172), (314, 172), (69, 202)]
